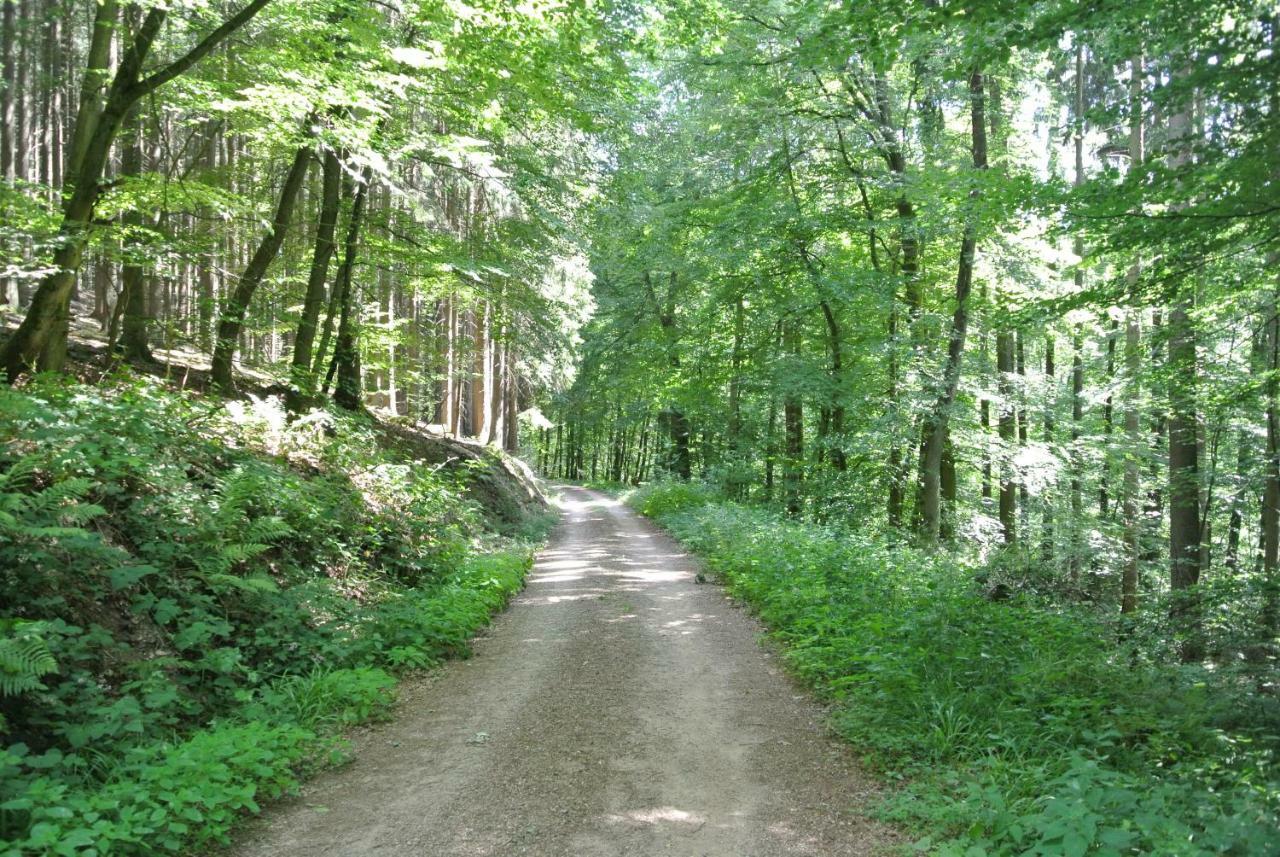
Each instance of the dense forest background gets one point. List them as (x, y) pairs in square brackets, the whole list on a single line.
[(378, 197), (1000, 276), (988, 292)]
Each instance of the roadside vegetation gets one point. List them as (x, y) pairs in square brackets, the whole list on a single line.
[(199, 596), (1012, 726)]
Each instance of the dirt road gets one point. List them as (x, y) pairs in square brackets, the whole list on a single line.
[(618, 709)]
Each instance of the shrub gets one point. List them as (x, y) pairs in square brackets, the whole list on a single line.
[(197, 597), (664, 498)]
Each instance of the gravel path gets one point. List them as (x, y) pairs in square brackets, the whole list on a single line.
[(618, 709)]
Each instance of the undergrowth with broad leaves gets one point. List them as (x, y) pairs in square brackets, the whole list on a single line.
[(1011, 726), (196, 597)]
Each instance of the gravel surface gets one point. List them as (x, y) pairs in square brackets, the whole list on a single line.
[(617, 709)]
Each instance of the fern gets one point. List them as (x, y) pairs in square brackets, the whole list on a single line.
[(24, 658), (256, 585)]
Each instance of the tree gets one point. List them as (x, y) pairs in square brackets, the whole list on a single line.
[(40, 341)]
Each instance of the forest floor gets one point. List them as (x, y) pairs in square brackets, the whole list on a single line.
[(618, 708)]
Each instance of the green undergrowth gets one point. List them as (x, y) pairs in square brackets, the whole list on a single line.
[(197, 598), (1010, 727)]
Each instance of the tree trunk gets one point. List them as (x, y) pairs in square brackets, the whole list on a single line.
[(511, 406), (233, 313), (936, 424), (40, 341), (346, 354), (793, 424), (133, 294), (839, 463), (1271, 486), (303, 376), (1134, 440), (1077, 458), (1047, 537), (1184, 439), (8, 83), (1008, 429)]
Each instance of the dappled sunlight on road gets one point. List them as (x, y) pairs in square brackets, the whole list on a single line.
[(619, 709), (659, 815)]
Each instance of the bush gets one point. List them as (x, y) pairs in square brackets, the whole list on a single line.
[(198, 596), (665, 498), (1019, 729)]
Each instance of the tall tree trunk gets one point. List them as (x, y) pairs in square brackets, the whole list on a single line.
[(1184, 437), (1077, 361), (738, 483), (677, 423), (1020, 366), (1108, 427), (346, 353), (839, 463), (936, 424), (331, 188), (233, 313), (1077, 456), (1050, 371), (479, 371), (93, 87), (1008, 429), (984, 403), (8, 83), (511, 400), (133, 293), (771, 447), (1134, 441), (897, 487), (793, 426), (1271, 484), (495, 432)]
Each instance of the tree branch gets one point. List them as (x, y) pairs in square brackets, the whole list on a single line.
[(200, 51)]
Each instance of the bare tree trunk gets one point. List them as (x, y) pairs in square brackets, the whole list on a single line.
[(838, 461), (8, 82), (303, 379), (233, 313), (1271, 490), (793, 422), (1008, 429), (936, 426), (497, 364), (1077, 459), (479, 349), (510, 420), (984, 407), (1184, 440), (897, 489), (1047, 536), (1077, 362), (1134, 440), (133, 293), (346, 353)]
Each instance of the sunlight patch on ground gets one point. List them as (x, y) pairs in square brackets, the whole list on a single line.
[(659, 815)]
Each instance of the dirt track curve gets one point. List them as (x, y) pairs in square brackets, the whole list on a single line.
[(618, 709)]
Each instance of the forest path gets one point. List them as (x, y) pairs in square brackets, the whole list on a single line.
[(617, 709)]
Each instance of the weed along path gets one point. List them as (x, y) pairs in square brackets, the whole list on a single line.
[(618, 709)]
